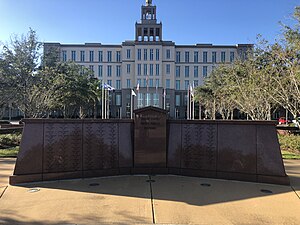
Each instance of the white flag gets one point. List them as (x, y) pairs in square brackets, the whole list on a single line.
[(133, 93), (191, 90), (138, 87)]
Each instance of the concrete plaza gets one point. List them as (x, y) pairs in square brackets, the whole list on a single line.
[(148, 200)]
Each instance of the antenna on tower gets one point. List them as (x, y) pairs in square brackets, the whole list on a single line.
[(148, 2)]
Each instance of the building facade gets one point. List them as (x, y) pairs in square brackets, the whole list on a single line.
[(163, 70)]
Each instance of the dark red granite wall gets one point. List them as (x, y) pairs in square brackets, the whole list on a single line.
[(64, 149)]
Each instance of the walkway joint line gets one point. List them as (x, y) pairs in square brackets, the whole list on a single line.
[(295, 192), (3, 192), (152, 202)]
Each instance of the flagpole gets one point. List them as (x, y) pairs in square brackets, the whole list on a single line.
[(108, 96), (164, 99), (131, 106), (193, 112), (102, 99), (188, 104), (105, 106)]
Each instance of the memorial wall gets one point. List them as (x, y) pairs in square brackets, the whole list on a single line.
[(150, 144)]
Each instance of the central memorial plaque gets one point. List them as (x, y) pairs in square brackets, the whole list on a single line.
[(150, 149)]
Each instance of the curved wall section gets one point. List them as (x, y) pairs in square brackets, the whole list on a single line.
[(65, 149)]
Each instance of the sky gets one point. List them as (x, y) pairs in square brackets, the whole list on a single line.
[(220, 22)]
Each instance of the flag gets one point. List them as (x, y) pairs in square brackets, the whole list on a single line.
[(138, 87), (191, 90), (133, 93), (108, 87), (164, 92)]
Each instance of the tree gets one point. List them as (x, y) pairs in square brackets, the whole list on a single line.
[(73, 89), (19, 65)]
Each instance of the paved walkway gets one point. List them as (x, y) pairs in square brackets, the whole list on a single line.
[(147, 200)]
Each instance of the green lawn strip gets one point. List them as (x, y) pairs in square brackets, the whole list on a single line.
[(290, 155), (9, 152)]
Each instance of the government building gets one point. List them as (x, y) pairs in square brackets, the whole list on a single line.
[(162, 70)]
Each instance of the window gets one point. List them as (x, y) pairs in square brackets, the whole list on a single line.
[(145, 83), (118, 84), (145, 54), (109, 71), (100, 71), (118, 99), (139, 69), (139, 55), (82, 56), (168, 54), (177, 71), (140, 100), (148, 99), (231, 56), (151, 69), (100, 56), (168, 83), (196, 83), (91, 67), (186, 71), (204, 72), (151, 83), (109, 82), (168, 69), (186, 84), (214, 57), (156, 99), (196, 57), (91, 56), (81, 69), (177, 100), (157, 69), (109, 56), (145, 70), (73, 55), (177, 85), (157, 54), (157, 83), (128, 55), (128, 68), (128, 82), (139, 81), (177, 57), (151, 54), (187, 57), (118, 56), (205, 57), (196, 73), (118, 71), (222, 56), (64, 56)]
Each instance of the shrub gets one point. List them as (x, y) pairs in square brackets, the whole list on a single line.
[(10, 140), (290, 143)]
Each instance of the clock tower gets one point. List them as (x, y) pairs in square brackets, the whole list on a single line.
[(148, 30)]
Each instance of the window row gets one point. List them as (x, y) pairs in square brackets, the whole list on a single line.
[(195, 70), (151, 69), (187, 84), (187, 58), (91, 56)]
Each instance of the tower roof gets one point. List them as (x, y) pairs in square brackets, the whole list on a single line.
[(148, 2)]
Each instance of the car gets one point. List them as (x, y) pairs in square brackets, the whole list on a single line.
[(296, 121), (283, 120)]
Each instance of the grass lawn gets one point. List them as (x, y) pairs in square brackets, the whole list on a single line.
[(289, 155), (9, 152)]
